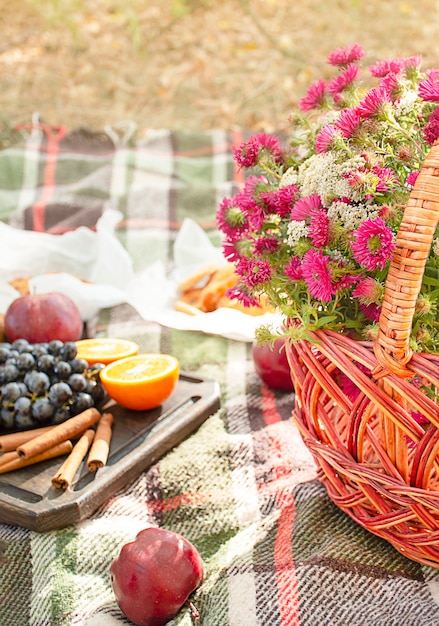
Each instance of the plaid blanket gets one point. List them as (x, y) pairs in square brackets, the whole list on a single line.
[(242, 488)]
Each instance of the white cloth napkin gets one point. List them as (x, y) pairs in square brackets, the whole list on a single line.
[(96, 271), (92, 268), (192, 250)]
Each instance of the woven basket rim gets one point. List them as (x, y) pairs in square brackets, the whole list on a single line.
[(407, 267)]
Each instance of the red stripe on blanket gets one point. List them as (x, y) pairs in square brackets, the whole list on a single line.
[(269, 408), (287, 584), (202, 498), (182, 499), (54, 136)]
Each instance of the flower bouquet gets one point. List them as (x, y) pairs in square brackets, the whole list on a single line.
[(337, 226)]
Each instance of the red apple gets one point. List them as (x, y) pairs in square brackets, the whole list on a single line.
[(271, 365), (153, 576), (43, 317)]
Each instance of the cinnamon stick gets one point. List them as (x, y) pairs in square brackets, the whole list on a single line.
[(63, 478), (12, 440), (100, 448), (8, 456), (64, 447), (67, 430)]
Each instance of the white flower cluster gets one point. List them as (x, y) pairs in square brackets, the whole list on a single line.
[(339, 257), (323, 175), (350, 216), (354, 163), (296, 230), (289, 178), (407, 103)]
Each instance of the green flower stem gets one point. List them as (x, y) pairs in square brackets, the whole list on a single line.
[(394, 124), (269, 171)]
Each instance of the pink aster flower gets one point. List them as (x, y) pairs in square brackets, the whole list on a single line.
[(315, 96), (395, 66), (326, 138), (386, 178), (431, 130), (237, 293), (412, 66), (294, 268), (391, 85), (249, 152), (254, 189), (270, 144), (319, 228), (344, 282), (385, 211), (419, 419), (344, 56), (231, 217), (389, 66), (253, 200), (344, 79), (373, 244), (373, 103), (411, 178), (348, 386), (368, 291), (230, 249), (265, 245), (433, 74), (348, 122), (305, 206), (365, 289), (317, 274), (266, 200), (371, 311), (356, 178), (339, 100), (254, 272), (283, 199), (429, 88)]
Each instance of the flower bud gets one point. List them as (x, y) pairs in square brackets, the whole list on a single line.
[(371, 332), (423, 305), (423, 335)]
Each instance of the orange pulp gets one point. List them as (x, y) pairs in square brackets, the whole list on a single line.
[(141, 382), (105, 349)]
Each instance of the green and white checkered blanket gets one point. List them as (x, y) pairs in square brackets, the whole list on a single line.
[(243, 487)]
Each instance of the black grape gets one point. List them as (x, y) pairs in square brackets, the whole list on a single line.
[(45, 383), (59, 393), (42, 409)]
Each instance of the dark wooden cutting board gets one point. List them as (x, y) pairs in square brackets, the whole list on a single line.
[(28, 499)]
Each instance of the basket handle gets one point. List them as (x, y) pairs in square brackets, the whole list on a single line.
[(407, 267)]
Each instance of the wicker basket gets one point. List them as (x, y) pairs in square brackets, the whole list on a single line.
[(378, 459)]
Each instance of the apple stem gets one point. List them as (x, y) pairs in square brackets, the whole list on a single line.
[(195, 615)]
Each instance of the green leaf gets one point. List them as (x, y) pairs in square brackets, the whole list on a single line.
[(324, 321), (428, 280)]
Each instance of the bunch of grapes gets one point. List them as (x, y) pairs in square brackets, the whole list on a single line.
[(45, 383)]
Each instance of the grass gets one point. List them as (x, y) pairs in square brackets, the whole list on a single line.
[(194, 64)]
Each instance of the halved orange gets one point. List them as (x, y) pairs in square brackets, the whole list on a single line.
[(141, 382), (105, 349)]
